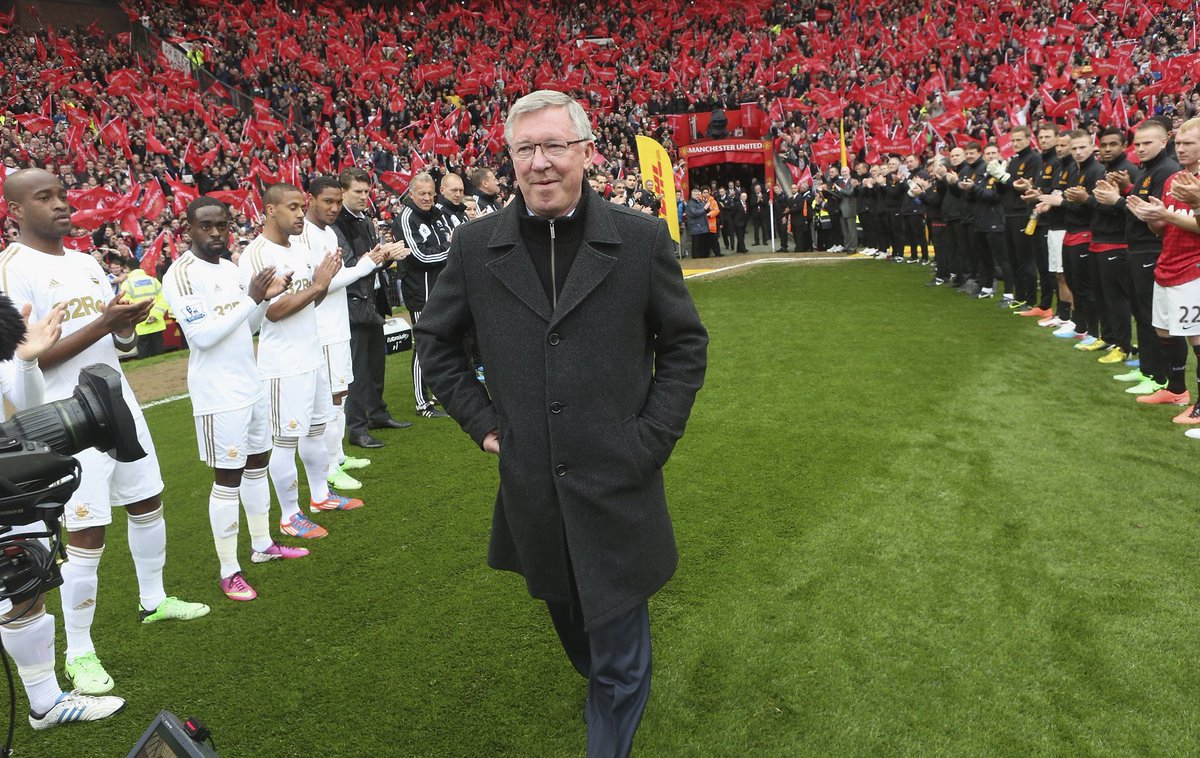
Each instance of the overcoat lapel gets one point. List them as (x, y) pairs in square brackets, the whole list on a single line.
[(514, 269)]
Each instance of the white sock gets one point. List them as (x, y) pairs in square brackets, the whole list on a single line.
[(79, 598), (30, 642), (315, 458), (256, 500), (223, 518), (148, 546), (284, 477), (334, 429), (339, 420)]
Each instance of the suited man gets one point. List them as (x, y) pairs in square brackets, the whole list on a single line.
[(367, 303), (740, 209), (781, 207), (581, 511), (760, 216), (847, 189), (726, 201)]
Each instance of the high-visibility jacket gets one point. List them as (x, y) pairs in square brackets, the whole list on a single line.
[(141, 286), (714, 210)]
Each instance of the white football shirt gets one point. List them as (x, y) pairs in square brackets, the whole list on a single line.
[(218, 318), (44, 280), (333, 317), (291, 346)]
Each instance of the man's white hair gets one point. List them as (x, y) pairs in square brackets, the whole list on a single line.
[(547, 98)]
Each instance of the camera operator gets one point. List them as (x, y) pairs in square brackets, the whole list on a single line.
[(25, 628), (38, 270)]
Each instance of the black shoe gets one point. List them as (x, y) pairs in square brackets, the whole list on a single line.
[(391, 423), (365, 440), (432, 412)]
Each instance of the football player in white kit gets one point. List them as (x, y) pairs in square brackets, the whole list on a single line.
[(26, 628), (219, 317), (37, 270), (291, 362), (333, 320)]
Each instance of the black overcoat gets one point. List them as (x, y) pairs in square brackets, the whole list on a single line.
[(588, 399)]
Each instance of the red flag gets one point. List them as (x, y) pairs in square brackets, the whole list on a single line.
[(181, 195), (83, 244), (154, 202), (209, 158), (131, 225), (379, 138), (154, 146), (235, 199), (35, 123), (153, 254), (1063, 107), (397, 180), (143, 104)]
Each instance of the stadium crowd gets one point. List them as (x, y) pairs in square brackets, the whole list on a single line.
[(393, 92), (1035, 144)]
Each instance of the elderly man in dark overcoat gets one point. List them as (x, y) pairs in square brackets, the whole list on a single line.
[(594, 353)]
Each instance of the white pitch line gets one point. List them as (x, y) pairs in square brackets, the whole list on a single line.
[(163, 401), (767, 260)]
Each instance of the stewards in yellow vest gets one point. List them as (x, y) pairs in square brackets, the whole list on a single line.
[(139, 285)]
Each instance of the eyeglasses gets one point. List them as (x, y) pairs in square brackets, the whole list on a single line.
[(550, 148)]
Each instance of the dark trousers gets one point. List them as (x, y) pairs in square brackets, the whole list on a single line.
[(895, 233), (1150, 352), (1023, 259), (1099, 306), (1078, 265), (364, 402), (943, 242), (879, 231), (739, 236), (714, 245), (912, 227), (762, 228), (1001, 259), (149, 345), (781, 232), (705, 245), (726, 229), (963, 236), (833, 234), (989, 245), (1116, 287), (868, 229), (1047, 282), (615, 658), (420, 396)]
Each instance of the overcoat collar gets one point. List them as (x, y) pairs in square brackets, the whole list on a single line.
[(515, 270)]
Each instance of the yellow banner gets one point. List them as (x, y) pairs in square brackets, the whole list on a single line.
[(656, 165)]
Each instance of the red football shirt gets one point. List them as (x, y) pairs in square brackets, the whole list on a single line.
[(1179, 262)]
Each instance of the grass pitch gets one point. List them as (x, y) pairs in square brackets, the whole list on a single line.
[(909, 523)]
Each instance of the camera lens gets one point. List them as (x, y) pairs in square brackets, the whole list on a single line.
[(96, 415)]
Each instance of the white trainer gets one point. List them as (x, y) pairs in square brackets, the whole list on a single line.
[(72, 706), (1066, 329)]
